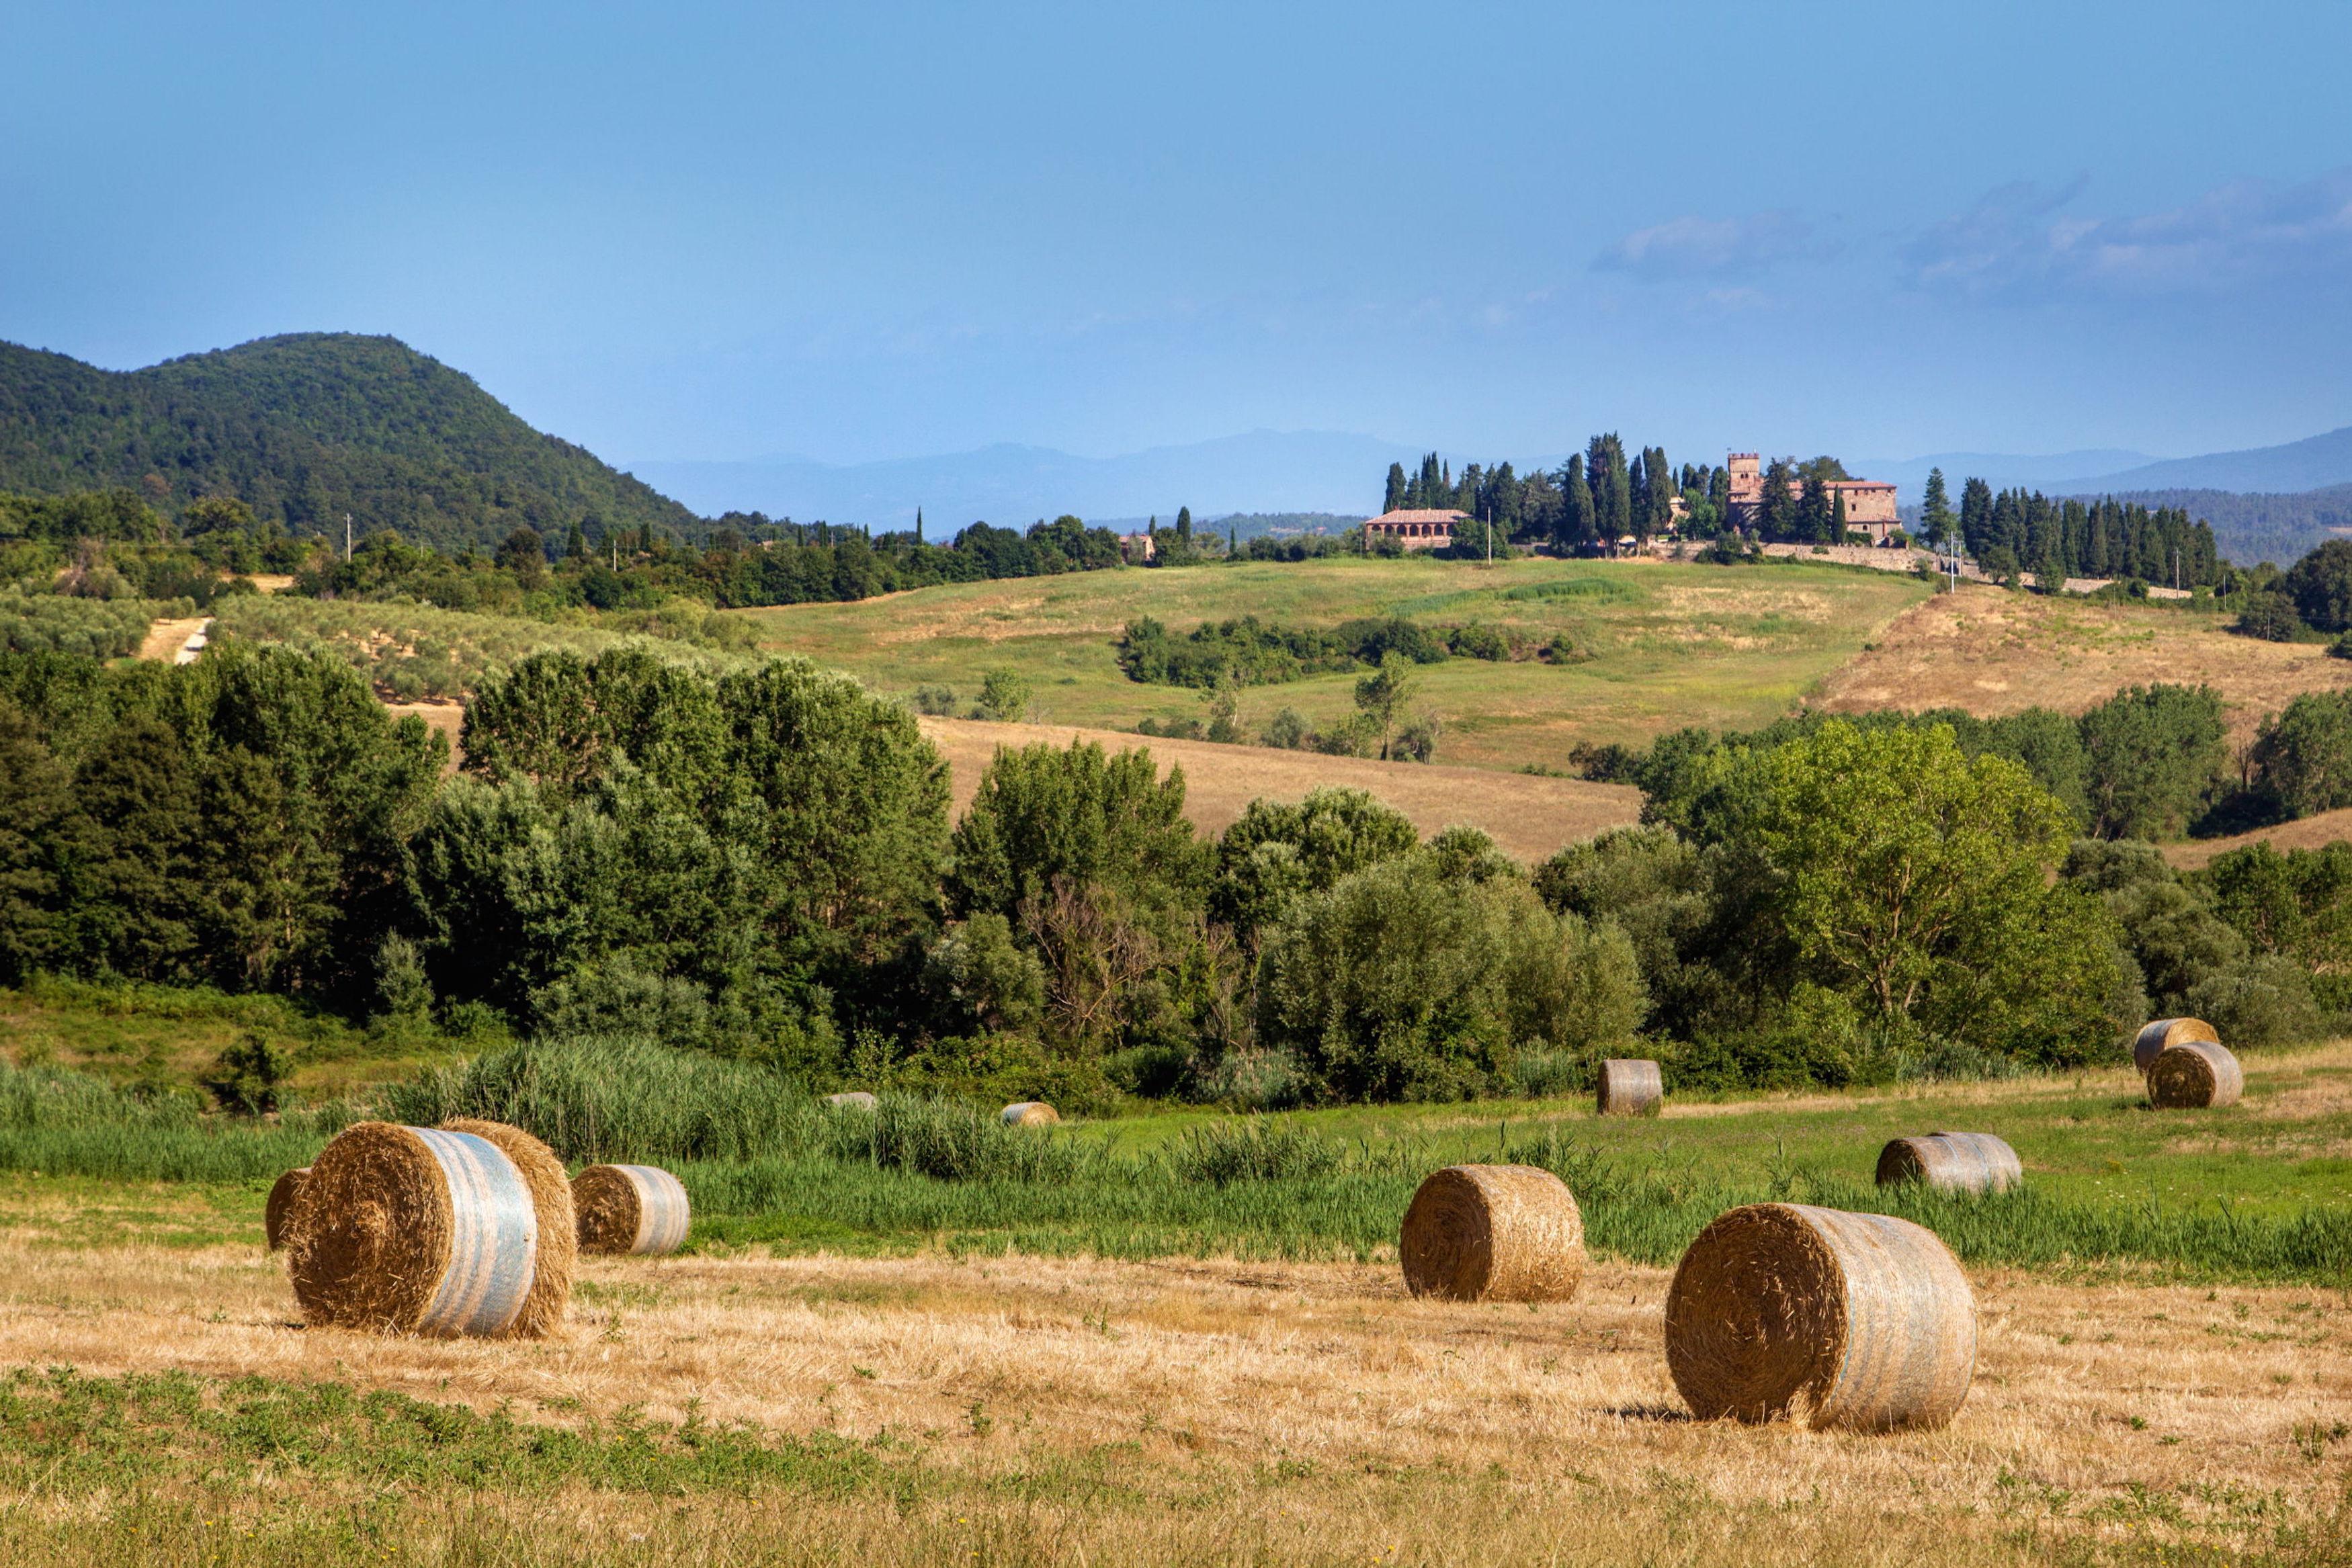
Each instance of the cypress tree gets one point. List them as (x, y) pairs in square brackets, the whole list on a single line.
[(1184, 524), (1936, 519), (919, 525), (1838, 520), (1976, 516), (1396, 490), (1776, 521), (1576, 518)]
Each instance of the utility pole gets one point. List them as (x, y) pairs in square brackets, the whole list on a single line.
[(347, 538)]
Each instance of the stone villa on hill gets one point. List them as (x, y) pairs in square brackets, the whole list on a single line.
[(1414, 529), (1869, 503)]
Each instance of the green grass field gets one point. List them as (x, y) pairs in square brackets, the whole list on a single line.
[(1670, 644), (2260, 1191)]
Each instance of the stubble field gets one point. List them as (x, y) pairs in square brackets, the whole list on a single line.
[(1018, 1410)]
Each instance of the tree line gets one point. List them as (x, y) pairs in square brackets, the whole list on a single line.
[(762, 865)]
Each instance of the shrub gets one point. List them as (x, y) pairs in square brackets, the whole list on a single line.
[(1397, 984), (2259, 1001), (2303, 757), (2320, 584), (1273, 852), (2271, 617), (1004, 695)]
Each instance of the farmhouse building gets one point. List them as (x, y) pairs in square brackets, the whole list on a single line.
[(1869, 503), (1414, 529)]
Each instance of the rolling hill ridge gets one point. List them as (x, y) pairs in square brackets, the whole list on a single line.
[(305, 428)]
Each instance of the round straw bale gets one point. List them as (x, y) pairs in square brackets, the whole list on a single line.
[(284, 1194), (1831, 1319), (1493, 1233), (1630, 1088), (2200, 1075), (1955, 1162), (559, 1239), (855, 1100), (637, 1209), (1029, 1113), (2150, 1042), (414, 1230)]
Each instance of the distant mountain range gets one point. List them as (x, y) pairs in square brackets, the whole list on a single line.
[(1265, 471), (305, 428), (2268, 503), (2310, 465)]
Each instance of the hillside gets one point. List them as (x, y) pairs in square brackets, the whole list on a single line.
[(1990, 653), (1529, 817), (305, 428), (1657, 645)]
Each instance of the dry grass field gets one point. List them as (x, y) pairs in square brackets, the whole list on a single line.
[(1018, 1410), (1991, 652), (1528, 816), (2304, 833), (1663, 644)]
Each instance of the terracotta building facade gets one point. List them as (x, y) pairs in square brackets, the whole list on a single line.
[(1869, 503), (1416, 529)]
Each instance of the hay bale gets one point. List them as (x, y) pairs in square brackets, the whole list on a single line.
[(1029, 1113), (284, 1194), (639, 1210), (2200, 1075), (1630, 1088), (1829, 1319), (2149, 1044), (855, 1100), (415, 1230), (550, 1196), (1955, 1162), (1493, 1233)]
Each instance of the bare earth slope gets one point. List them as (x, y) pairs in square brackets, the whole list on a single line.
[(1528, 816), (1991, 652)]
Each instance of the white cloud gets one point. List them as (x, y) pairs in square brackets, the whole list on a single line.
[(2015, 244), (1713, 247)]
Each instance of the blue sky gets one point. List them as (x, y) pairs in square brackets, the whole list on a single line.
[(688, 231)]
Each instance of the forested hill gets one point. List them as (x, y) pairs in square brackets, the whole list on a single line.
[(307, 427)]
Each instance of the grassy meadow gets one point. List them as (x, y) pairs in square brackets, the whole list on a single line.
[(1668, 643)]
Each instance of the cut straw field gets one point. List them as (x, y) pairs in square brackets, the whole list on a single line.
[(1528, 816), (1023, 1410), (1991, 652), (1662, 644)]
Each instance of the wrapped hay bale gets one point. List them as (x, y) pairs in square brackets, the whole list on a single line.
[(1493, 1233), (2200, 1075), (1955, 1162), (1833, 1319), (550, 1196), (855, 1100), (436, 1230), (639, 1210), (1029, 1113), (1630, 1088), (2149, 1044), (284, 1194)]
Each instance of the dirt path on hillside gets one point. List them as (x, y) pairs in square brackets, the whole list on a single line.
[(1528, 816), (1992, 653), (164, 639)]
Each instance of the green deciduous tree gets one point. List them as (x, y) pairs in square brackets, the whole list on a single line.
[(2153, 758)]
